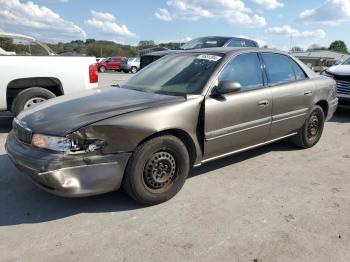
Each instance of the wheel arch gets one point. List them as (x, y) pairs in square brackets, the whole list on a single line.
[(324, 105), (18, 85), (180, 134)]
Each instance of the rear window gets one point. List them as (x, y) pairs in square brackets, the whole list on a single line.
[(279, 69)]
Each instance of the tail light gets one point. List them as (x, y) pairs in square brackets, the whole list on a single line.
[(93, 75)]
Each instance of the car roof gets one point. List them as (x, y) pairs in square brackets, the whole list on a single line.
[(231, 50)]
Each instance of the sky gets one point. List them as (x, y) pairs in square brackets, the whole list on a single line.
[(277, 23)]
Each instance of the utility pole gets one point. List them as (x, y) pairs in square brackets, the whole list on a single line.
[(101, 52)]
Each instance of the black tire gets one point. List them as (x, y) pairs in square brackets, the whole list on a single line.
[(20, 101), (148, 179), (133, 70), (311, 132), (102, 69)]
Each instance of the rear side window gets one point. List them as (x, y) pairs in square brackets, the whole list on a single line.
[(235, 43), (299, 73), (279, 69), (244, 69), (250, 44)]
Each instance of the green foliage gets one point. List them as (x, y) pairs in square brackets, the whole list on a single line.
[(91, 47), (338, 46), (6, 44)]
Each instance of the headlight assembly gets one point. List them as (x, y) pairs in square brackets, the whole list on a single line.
[(66, 145), (60, 144)]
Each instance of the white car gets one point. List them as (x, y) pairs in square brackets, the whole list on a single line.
[(341, 74), (31, 73)]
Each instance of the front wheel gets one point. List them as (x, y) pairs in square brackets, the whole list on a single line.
[(30, 98), (311, 132), (103, 69), (157, 170), (134, 69)]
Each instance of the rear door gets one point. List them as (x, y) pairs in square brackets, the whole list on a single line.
[(238, 120), (291, 93)]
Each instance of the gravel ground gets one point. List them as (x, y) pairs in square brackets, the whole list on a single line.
[(275, 203)]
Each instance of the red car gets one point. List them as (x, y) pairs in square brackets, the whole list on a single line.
[(110, 63)]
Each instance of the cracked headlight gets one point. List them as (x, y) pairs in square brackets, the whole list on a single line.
[(60, 144)]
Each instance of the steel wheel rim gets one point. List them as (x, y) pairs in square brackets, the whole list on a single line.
[(160, 171), (34, 102), (313, 127), (133, 70)]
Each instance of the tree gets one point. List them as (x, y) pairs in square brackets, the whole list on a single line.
[(7, 44), (316, 47), (146, 44), (338, 46), (297, 49)]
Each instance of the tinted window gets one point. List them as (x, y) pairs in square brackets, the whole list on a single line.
[(235, 43), (250, 44), (115, 59), (244, 69), (299, 73), (278, 67)]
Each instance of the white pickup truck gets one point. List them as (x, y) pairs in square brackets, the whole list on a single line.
[(31, 73)]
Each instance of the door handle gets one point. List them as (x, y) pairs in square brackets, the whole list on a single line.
[(264, 103), (308, 93)]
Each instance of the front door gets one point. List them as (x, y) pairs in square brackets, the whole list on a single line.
[(238, 120)]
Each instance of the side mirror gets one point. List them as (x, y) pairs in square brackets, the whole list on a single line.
[(226, 87)]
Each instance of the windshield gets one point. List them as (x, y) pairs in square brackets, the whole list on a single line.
[(347, 62), (205, 42), (175, 75)]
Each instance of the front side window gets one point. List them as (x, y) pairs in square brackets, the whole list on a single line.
[(175, 75), (299, 73), (244, 69), (278, 68)]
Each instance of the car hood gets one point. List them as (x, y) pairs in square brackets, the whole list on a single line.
[(63, 115), (340, 70)]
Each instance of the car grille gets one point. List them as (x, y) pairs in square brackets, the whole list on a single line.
[(343, 84), (23, 133), (148, 59)]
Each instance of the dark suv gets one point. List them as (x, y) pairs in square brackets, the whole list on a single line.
[(199, 43)]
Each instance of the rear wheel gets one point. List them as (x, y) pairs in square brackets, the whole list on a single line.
[(311, 132), (30, 98), (157, 170)]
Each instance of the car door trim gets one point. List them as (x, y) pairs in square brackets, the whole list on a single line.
[(245, 149), (289, 115), (209, 136)]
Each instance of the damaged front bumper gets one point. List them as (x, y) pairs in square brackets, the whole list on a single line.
[(68, 175)]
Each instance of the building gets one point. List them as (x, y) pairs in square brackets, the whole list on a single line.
[(321, 59)]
